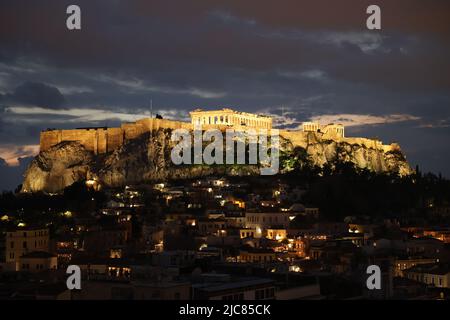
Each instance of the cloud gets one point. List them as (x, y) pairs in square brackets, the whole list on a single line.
[(69, 90), (11, 154), (37, 94), (86, 115), (137, 85), (311, 74), (366, 41), (400, 15), (352, 120), (438, 124)]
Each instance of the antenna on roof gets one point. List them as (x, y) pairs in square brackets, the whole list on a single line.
[(151, 107), (151, 119)]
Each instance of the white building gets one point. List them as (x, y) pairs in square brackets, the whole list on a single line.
[(23, 241)]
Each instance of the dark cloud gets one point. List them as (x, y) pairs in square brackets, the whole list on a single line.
[(37, 94), (1, 122), (186, 36)]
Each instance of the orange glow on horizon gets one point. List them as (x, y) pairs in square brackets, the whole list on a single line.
[(11, 153)]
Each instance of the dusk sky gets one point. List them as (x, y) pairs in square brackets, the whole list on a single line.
[(295, 60)]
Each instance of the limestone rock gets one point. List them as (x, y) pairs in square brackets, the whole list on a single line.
[(58, 167), (147, 158), (362, 152)]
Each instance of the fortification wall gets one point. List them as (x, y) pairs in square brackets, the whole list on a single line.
[(302, 139), (103, 140)]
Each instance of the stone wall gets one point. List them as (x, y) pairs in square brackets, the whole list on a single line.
[(303, 139), (103, 140)]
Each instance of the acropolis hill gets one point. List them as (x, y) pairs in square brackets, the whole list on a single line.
[(140, 151), (104, 140)]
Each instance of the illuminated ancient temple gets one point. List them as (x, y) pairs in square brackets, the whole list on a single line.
[(229, 117)]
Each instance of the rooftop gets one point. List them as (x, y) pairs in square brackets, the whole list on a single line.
[(430, 268), (38, 255)]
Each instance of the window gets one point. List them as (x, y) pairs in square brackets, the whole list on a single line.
[(12, 244), (272, 292), (24, 245), (259, 294)]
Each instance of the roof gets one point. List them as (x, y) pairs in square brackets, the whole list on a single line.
[(228, 110), (256, 250), (38, 255), (26, 228), (430, 268), (238, 283), (428, 239), (117, 262)]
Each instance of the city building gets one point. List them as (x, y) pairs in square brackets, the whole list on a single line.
[(24, 240), (264, 220), (258, 255), (226, 287), (436, 275), (38, 261)]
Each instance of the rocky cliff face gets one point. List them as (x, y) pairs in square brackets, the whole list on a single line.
[(58, 167), (147, 158), (362, 152)]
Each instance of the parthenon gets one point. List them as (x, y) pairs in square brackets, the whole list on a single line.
[(228, 117)]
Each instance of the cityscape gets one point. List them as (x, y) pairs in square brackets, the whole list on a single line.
[(226, 233), (242, 152)]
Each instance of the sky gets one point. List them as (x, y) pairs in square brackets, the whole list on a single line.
[(296, 60)]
